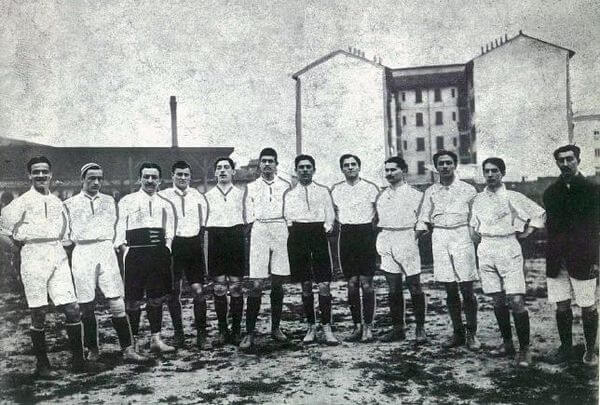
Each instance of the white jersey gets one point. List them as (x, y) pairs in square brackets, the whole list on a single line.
[(91, 219), (226, 208), (311, 203), (264, 199), (399, 208), (504, 212), (141, 210), (191, 209), (355, 204), (34, 216), (447, 206)]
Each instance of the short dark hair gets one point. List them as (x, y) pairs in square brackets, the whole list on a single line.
[(150, 165), (399, 162), (180, 164), (496, 161), (227, 158), (304, 157), (567, 148), (348, 156), (38, 159), (443, 152), (268, 152)]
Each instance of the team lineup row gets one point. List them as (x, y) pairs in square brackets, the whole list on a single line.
[(160, 236)]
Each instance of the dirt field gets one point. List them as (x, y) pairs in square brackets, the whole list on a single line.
[(293, 373)]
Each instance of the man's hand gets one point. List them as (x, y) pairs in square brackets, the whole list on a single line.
[(525, 234), (475, 236)]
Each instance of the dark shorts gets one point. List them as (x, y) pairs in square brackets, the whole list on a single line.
[(148, 270), (188, 259), (226, 251), (356, 245), (308, 251)]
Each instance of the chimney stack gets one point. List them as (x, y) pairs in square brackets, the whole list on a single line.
[(173, 104), (505, 37)]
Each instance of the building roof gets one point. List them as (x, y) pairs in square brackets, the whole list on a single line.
[(586, 117), (427, 76), (332, 55), (522, 35)]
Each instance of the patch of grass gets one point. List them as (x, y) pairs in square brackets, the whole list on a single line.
[(134, 389)]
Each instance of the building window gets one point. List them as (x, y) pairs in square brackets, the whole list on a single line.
[(420, 167), (454, 141), (453, 93), (439, 118), (403, 96), (439, 142), (404, 120), (597, 152), (418, 96), (453, 115), (405, 145), (420, 144), (596, 135), (437, 95), (419, 118)]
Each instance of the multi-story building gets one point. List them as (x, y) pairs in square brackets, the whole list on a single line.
[(512, 101), (586, 135)]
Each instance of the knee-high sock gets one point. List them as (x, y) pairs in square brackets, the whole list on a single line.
[(368, 301), (522, 327), (308, 302), (354, 302), (564, 322), (221, 310), (236, 307), (455, 311), (418, 304), (134, 320), (276, 306), (503, 318), (325, 309), (470, 309), (252, 311), (123, 330), (154, 313), (200, 313), (38, 339), (396, 302), (174, 305), (90, 332), (75, 334), (590, 328)]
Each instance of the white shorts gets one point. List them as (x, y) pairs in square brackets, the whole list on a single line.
[(45, 272), (399, 252), (453, 255), (564, 287), (95, 265), (268, 250), (501, 265)]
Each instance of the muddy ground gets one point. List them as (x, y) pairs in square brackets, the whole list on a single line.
[(293, 373)]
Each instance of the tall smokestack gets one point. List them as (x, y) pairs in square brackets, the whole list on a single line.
[(173, 104)]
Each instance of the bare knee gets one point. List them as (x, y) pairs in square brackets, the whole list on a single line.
[(156, 302), (517, 303), (38, 318), (72, 313), (563, 306), (117, 307), (324, 289), (133, 305), (235, 288), (87, 309), (414, 285), (366, 284), (307, 288), (499, 299), (220, 289)]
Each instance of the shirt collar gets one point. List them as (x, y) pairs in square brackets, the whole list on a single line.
[(179, 192), (89, 197), (268, 183), (501, 190)]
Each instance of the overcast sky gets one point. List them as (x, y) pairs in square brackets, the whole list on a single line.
[(83, 73)]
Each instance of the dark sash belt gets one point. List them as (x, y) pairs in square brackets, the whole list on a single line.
[(145, 237)]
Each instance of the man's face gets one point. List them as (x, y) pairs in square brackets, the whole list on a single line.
[(92, 182), (40, 176), (224, 172), (445, 166), (350, 168), (267, 164), (150, 179), (182, 178), (305, 171), (493, 175), (567, 163), (393, 174)]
